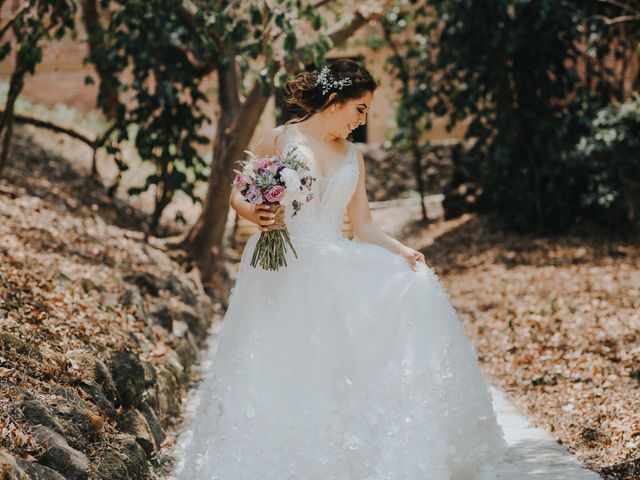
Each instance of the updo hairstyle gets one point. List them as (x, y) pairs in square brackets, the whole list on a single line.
[(306, 97)]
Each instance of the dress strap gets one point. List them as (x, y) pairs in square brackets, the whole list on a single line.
[(287, 138)]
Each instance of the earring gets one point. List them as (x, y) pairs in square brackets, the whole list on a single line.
[(333, 108)]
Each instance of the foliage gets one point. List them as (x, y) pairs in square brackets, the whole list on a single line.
[(526, 77), (610, 154), (152, 59), (158, 53), (407, 29), (165, 100), (172, 50), (36, 21)]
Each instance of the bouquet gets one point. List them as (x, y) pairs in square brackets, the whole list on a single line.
[(277, 181)]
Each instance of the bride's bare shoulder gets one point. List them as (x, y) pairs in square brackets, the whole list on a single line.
[(271, 142)]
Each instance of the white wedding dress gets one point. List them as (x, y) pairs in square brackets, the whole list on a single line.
[(345, 365)]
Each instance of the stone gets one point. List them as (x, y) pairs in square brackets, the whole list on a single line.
[(172, 363), (22, 347), (133, 455), (81, 425), (131, 298), (163, 316), (178, 287), (134, 423), (147, 281), (35, 471), (186, 348), (197, 324), (153, 422), (110, 466), (129, 378), (99, 398), (59, 455), (93, 370), (150, 375), (166, 393), (37, 412), (9, 469)]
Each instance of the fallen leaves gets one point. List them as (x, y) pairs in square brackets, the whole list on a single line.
[(62, 274), (556, 324)]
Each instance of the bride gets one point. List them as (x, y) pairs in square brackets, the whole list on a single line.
[(350, 363)]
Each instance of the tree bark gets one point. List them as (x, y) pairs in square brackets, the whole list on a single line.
[(163, 197), (6, 122), (412, 127), (417, 169), (236, 126)]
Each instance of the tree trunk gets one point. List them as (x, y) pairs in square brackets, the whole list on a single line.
[(163, 196), (6, 122), (417, 168), (236, 126)]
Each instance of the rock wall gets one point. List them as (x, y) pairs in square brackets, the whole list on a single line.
[(110, 421)]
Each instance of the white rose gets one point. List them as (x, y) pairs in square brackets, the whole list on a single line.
[(291, 179)]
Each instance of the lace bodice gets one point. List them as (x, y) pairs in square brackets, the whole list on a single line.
[(320, 220)]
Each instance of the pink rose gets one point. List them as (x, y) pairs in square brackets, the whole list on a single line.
[(261, 163), (238, 182), (274, 194)]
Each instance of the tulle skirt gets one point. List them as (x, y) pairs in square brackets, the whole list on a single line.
[(345, 365)]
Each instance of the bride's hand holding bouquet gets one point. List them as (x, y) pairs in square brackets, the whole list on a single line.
[(272, 184)]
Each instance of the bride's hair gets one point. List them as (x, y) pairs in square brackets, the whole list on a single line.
[(307, 98)]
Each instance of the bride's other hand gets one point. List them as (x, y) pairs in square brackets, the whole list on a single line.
[(262, 217), (413, 257)]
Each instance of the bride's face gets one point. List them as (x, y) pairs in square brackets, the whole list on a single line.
[(351, 114)]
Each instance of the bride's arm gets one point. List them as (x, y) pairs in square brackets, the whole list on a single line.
[(367, 230)]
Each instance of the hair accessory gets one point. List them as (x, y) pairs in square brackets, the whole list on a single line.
[(328, 82)]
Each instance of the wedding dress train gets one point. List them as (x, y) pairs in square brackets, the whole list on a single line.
[(345, 365)]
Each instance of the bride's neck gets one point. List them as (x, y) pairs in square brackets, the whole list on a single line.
[(318, 127)]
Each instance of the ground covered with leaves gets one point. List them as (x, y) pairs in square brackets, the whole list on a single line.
[(556, 324), (97, 327)]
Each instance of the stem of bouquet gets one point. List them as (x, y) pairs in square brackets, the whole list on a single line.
[(273, 244)]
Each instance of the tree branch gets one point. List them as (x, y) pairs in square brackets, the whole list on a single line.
[(363, 15), (402, 67), (322, 3), (56, 128), (200, 68), (339, 34), (19, 12), (622, 19)]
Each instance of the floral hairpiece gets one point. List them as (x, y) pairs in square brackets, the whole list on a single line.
[(328, 82)]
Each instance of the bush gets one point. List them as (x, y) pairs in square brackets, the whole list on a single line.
[(530, 77), (610, 158)]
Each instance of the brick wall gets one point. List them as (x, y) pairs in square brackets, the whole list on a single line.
[(60, 76)]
